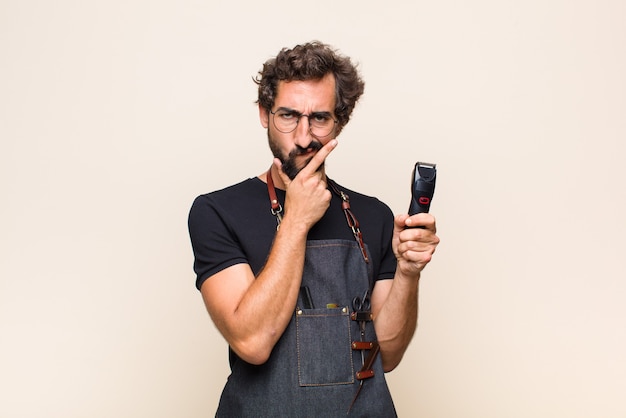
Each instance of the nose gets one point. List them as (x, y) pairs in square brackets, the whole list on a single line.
[(302, 133)]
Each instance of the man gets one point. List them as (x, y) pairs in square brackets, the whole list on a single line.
[(313, 286)]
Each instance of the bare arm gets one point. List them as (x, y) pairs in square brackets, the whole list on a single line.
[(395, 302), (253, 312)]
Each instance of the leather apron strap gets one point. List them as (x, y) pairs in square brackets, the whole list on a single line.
[(353, 223)]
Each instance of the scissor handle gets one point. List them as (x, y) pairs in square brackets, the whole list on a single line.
[(359, 304)]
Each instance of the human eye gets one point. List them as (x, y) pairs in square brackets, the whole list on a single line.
[(321, 118), (287, 114)]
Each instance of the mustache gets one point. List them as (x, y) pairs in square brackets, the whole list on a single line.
[(289, 164), (313, 146)]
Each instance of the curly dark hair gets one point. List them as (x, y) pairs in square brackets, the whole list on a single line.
[(312, 61)]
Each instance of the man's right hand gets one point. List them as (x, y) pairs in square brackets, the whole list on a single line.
[(307, 197)]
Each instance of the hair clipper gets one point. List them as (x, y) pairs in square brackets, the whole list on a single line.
[(422, 187)]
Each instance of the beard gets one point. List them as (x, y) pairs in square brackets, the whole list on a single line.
[(290, 167)]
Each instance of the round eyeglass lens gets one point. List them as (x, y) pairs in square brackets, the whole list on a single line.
[(320, 124)]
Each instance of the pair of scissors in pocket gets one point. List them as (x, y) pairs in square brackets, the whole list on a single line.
[(362, 304), (362, 311)]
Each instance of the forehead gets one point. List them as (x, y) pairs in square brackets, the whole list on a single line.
[(307, 95)]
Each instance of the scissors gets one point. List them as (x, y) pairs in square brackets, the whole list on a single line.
[(362, 313), (362, 305)]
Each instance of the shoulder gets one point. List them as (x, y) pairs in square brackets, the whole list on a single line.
[(365, 203), (230, 196), (240, 189), (230, 205)]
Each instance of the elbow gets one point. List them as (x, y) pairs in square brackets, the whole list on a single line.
[(254, 346), (391, 354), (389, 364), (252, 351), (256, 359)]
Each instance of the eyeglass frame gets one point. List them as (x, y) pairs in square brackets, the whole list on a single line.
[(308, 116)]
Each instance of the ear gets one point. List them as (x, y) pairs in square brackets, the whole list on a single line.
[(264, 116)]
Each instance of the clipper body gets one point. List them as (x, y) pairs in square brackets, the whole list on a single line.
[(422, 187)]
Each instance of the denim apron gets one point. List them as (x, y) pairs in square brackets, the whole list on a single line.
[(312, 371)]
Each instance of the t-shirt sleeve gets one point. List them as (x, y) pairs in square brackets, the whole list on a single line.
[(214, 245), (388, 262)]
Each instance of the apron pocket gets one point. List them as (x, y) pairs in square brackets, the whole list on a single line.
[(323, 341)]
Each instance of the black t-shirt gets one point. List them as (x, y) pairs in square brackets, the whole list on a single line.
[(235, 225)]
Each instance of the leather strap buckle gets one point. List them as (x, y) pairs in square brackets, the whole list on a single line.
[(366, 371), (361, 316), (364, 374), (362, 345)]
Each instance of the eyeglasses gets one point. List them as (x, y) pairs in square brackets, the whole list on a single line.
[(321, 124)]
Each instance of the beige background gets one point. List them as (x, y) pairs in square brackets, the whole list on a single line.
[(114, 115)]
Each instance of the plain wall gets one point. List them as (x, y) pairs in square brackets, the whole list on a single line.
[(114, 115)]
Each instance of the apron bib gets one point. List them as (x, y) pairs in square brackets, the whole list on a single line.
[(312, 369), (316, 369)]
